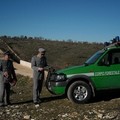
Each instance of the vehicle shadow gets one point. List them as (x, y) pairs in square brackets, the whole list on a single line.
[(52, 98), (106, 95)]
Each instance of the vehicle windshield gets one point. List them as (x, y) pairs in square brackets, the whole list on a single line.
[(94, 58)]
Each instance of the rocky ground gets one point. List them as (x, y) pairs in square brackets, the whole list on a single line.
[(106, 105)]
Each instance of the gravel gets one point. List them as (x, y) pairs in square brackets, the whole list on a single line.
[(106, 106)]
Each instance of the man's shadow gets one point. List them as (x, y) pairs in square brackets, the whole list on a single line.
[(43, 100)]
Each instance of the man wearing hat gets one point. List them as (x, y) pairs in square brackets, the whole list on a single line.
[(7, 76), (38, 63)]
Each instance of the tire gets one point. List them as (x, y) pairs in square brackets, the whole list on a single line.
[(79, 92)]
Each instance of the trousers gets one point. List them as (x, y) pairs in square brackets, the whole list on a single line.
[(37, 88), (1, 89), (4, 92)]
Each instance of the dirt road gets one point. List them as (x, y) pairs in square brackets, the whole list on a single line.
[(22, 70)]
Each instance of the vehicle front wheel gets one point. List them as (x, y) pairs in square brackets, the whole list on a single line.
[(79, 92)]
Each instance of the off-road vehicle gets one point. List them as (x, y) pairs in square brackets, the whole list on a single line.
[(101, 71)]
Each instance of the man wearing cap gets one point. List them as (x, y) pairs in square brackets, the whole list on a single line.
[(38, 63), (7, 76)]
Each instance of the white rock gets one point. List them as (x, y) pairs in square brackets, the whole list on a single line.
[(1, 113), (26, 117), (16, 106), (37, 105), (86, 117), (8, 113), (100, 116), (59, 115), (111, 115), (7, 110), (65, 115), (13, 115)]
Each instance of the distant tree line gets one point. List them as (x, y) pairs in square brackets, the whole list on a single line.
[(22, 37)]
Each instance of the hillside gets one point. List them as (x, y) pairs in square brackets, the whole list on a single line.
[(59, 53), (105, 106)]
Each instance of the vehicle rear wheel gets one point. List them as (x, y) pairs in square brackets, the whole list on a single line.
[(79, 92)]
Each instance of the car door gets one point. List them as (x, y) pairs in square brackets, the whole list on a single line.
[(107, 74)]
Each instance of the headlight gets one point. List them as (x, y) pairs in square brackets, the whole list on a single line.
[(61, 77), (57, 77)]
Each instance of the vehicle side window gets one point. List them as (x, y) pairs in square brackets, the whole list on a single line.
[(104, 60), (112, 57), (116, 58)]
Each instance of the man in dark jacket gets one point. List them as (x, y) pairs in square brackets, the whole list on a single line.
[(7, 77), (38, 63)]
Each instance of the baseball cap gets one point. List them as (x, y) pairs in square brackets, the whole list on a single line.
[(41, 50)]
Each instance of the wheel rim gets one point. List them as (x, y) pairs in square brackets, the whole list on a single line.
[(80, 93)]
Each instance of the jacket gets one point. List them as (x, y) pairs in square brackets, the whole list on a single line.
[(7, 66), (36, 63)]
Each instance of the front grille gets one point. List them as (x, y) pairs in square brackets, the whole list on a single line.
[(53, 77)]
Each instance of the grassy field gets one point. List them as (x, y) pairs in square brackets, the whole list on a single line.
[(59, 53)]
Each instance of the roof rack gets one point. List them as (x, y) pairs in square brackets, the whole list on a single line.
[(113, 43)]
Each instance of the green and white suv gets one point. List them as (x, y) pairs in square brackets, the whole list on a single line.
[(80, 83)]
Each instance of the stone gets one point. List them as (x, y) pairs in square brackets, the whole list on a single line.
[(37, 105), (110, 115), (100, 115), (65, 115), (1, 113), (27, 117)]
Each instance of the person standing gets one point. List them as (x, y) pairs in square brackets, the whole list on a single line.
[(7, 76), (38, 63)]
